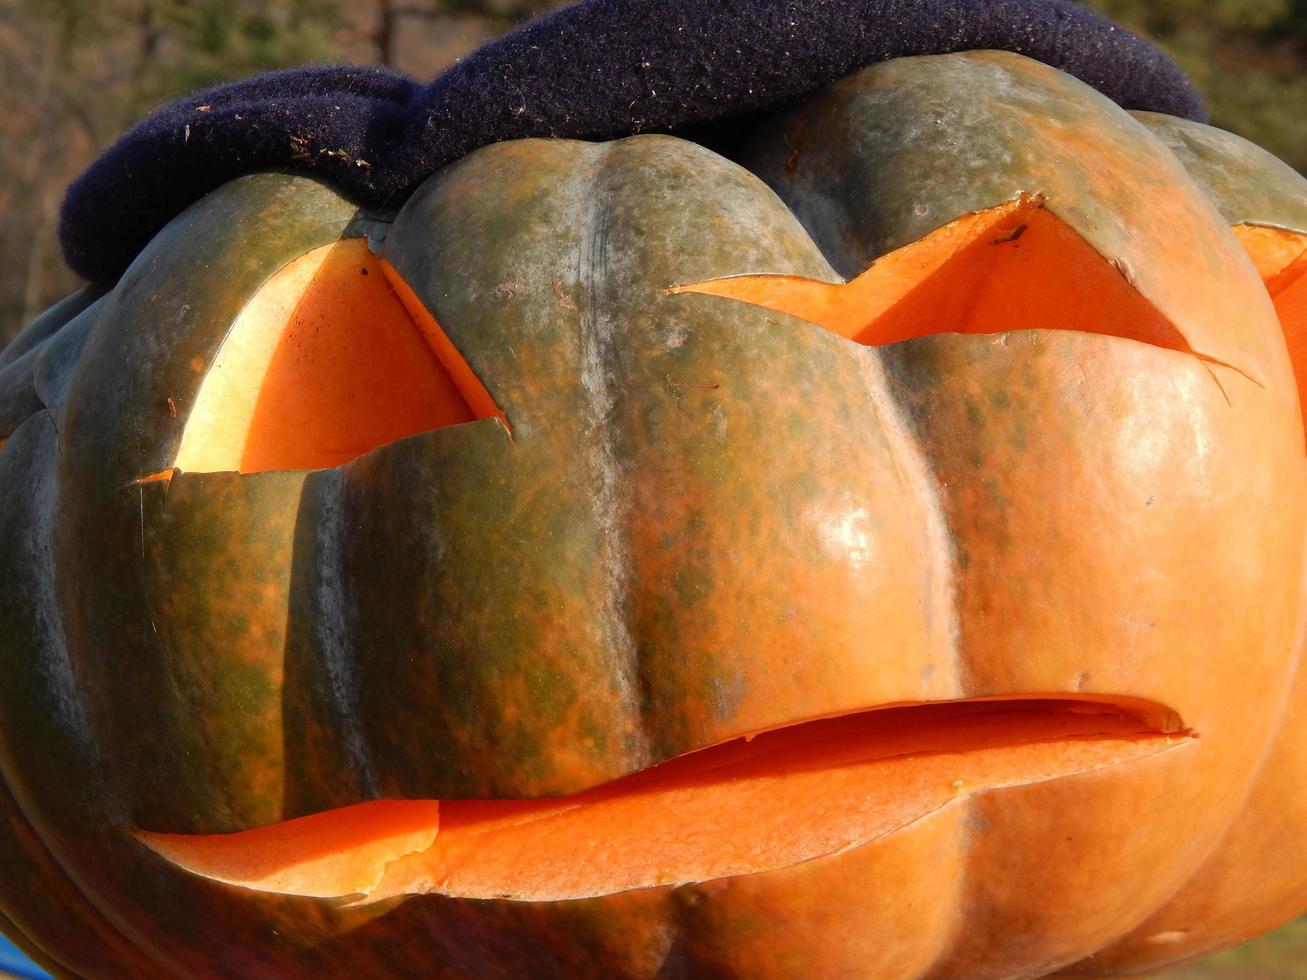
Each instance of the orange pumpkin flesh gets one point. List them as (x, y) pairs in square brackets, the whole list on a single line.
[(1012, 267), (754, 804), (1281, 258), (1275, 252), (325, 363)]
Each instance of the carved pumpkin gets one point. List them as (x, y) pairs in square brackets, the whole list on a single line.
[(877, 557)]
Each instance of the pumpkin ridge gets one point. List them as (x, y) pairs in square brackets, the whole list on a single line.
[(51, 684), (322, 618), (71, 900), (612, 508), (917, 469), (49, 323), (36, 380), (19, 399)]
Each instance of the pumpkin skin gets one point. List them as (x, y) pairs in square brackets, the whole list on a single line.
[(1257, 876), (641, 566)]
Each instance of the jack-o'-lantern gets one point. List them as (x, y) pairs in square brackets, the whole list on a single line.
[(877, 556)]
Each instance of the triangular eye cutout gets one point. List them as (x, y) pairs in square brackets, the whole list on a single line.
[(1013, 267), (332, 357), (1281, 258), (1279, 255)]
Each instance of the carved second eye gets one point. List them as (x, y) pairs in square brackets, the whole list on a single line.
[(1281, 258), (332, 357), (1013, 267)]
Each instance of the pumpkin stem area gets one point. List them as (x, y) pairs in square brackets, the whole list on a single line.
[(332, 357), (752, 804), (1013, 267)]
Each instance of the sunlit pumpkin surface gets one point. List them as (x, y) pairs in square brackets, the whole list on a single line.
[(741, 807)]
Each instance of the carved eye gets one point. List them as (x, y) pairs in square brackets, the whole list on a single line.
[(1012, 267), (332, 357), (1281, 258)]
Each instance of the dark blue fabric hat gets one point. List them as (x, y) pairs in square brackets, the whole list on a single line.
[(599, 69)]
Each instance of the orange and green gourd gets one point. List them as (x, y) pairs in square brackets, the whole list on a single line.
[(877, 556)]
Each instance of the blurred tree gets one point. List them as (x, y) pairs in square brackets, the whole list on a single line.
[(391, 18), (185, 44), (1294, 24), (91, 68), (1247, 57), (88, 69)]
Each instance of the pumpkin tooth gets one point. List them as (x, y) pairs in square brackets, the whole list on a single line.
[(337, 853), (753, 804)]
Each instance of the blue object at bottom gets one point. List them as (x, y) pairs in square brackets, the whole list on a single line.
[(14, 963)]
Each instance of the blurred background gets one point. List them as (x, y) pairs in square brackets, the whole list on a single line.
[(78, 73)]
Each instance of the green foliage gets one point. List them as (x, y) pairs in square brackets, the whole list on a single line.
[(200, 42), (1247, 57), (83, 71), (1294, 24), (1279, 955), (1162, 18)]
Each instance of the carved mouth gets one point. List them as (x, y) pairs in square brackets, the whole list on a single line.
[(753, 804)]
